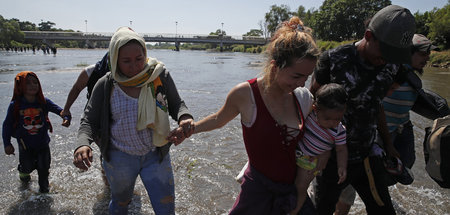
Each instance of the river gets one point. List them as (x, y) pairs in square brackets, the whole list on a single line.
[(204, 165)]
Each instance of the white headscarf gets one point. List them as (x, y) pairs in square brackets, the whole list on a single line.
[(149, 115)]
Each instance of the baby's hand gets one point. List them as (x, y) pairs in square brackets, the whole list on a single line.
[(176, 136), (342, 173)]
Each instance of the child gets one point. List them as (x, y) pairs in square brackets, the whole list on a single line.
[(128, 118), (27, 121), (323, 130)]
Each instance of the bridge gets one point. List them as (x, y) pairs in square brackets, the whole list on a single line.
[(47, 36)]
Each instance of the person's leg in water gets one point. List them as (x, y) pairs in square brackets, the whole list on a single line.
[(43, 166), (105, 180), (346, 201), (326, 189), (27, 163), (121, 172), (158, 180), (370, 184), (404, 144)]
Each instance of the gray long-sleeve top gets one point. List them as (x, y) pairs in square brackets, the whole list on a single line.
[(95, 123)]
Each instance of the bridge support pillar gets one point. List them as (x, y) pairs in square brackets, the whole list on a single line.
[(177, 46)]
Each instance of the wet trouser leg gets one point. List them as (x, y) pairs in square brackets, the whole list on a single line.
[(43, 166), (404, 144), (328, 190)]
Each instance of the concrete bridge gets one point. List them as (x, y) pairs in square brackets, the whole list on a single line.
[(48, 36)]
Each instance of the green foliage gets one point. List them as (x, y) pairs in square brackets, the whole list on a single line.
[(325, 45), (422, 22), (275, 16), (46, 26), (218, 32), (440, 26), (10, 31), (248, 49), (254, 32), (238, 48), (439, 58), (340, 20)]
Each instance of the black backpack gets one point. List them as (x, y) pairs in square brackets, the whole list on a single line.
[(436, 149)]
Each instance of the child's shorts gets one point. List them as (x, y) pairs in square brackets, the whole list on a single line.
[(307, 162)]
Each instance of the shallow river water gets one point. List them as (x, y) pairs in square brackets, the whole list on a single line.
[(204, 165)]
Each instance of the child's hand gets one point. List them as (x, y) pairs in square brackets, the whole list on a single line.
[(9, 150), (66, 120), (342, 173), (176, 136)]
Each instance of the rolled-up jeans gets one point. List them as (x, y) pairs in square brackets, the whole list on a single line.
[(122, 170)]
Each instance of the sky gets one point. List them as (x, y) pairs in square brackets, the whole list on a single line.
[(164, 16)]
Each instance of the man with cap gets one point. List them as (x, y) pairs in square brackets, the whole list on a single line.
[(410, 96), (397, 104), (366, 69)]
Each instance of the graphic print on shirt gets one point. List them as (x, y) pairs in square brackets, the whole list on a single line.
[(32, 120), (160, 97)]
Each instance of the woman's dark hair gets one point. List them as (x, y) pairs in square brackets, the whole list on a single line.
[(331, 96)]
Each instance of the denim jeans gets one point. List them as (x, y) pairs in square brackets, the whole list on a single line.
[(122, 171)]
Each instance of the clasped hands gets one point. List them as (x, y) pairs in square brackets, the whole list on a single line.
[(186, 129)]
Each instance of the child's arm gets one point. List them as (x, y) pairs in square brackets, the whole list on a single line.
[(7, 130), (56, 109), (342, 157)]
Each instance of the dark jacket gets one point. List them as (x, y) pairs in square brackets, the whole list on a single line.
[(95, 122), (428, 104)]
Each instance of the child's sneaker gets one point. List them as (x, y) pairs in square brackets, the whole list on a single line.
[(24, 177)]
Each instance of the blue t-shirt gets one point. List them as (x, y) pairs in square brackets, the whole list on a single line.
[(32, 127)]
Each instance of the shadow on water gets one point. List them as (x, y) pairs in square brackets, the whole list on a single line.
[(31, 203), (101, 206)]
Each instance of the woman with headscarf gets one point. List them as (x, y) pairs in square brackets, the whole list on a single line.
[(127, 116)]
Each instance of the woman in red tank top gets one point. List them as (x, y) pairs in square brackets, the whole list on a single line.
[(272, 121)]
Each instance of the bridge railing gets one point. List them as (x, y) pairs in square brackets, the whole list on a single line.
[(169, 37)]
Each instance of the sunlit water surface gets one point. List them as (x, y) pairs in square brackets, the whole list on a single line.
[(204, 165)]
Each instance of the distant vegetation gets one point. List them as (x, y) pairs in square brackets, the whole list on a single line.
[(334, 23)]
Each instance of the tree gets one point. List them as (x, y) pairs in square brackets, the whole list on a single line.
[(10, 31), (218, 32), (423, 22), (440, 26), (46, 26), (340, 20), (254, 32), (275, 16), (263, 28)]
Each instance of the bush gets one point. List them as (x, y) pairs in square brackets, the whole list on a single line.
[(325, 45), (440, 58)]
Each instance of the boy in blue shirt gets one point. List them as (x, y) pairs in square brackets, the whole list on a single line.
[(27, 121)]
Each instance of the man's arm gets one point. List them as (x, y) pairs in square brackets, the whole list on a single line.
[(79, 85)]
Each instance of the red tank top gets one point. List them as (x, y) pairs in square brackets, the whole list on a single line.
[(268, 150)]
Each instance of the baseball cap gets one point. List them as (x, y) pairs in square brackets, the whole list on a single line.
[(423, 44), (394, 27)]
